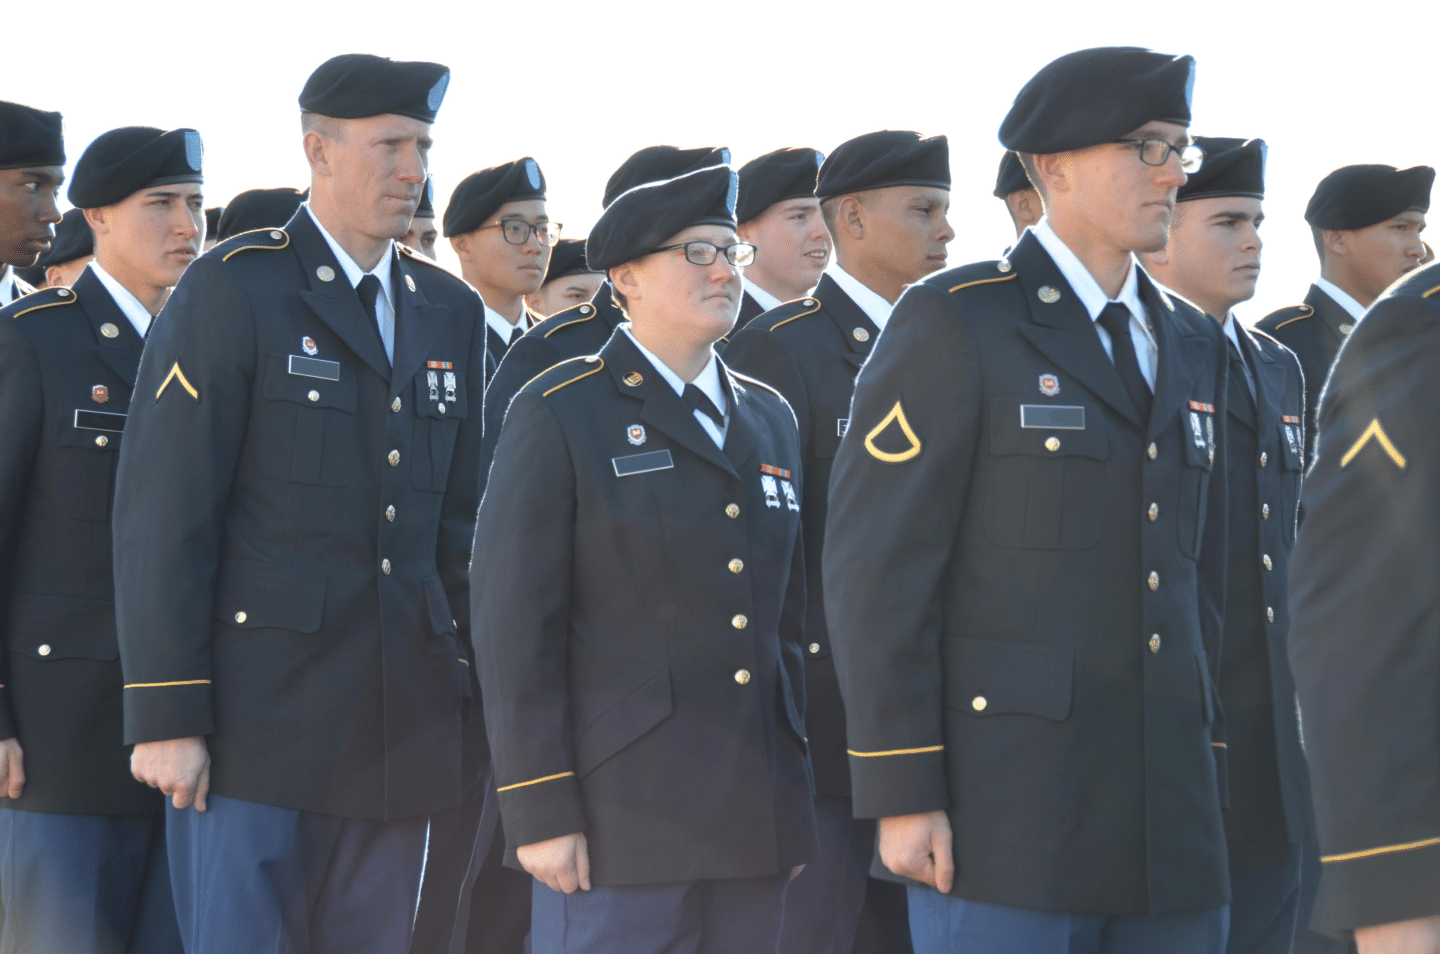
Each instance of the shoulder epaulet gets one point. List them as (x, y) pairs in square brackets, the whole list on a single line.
[(44, 298), (1267, 336), (419, 259), (789, 311), (270, 239), (566, 373), (977, 273), (754, 382), (573, 315), (1286, 316)]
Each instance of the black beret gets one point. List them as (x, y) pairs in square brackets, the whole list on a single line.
[(480, 194), (1232, 167), (259, 209), (1011, 177), (1097, 96), (775, 177), (426, 208), (73, 239), (658, 163), (123, 161), (29, 137), (212, 220), (890, 157), (358, 85), (645, 217), (567, 258), (1356, 197)]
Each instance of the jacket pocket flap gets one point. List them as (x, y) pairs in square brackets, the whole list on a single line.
[(254, 595), (623, 723), (438, 604), (995, 678), (1047, 430), (310, 381), (58, 627)]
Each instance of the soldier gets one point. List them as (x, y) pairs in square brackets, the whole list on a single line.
[(259, 209), (639, 604), (32, 160), (69, 253), (497, 224), (422, 234), (1213, 258), (294, 512), (1366, 222), (212, 226), (1022, 202), (885, 195), (568, 280), (88, 838), (780, 216), (1363, 642), (1023, 591)]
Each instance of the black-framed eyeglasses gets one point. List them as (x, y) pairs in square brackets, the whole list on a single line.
[(1156, 152), (704, 253), (518, 231)]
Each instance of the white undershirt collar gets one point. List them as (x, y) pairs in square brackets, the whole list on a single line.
[(762, 297), (501, 326), (1341, 297), (708, 381), (871, 302), (128, 304)]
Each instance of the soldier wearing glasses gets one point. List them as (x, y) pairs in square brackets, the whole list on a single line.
[(640, 601), (497, 225), (1024, 592)]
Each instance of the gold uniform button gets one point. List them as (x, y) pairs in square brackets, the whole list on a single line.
[(1052, 444), (44, 649), (1003, 265), (1264, 511), (390, 513), (1154, 512), (742, 676), (1153, 451), (814, 648), (440, 407), (65, 293), (732, 511), (241, 617), (314, 395), (739, 621), (394, 458), (1269, 614), (1264, 458), (979, 703), (107, 329), (1265, 559), (1154, 642), (1154, 580), (101, 440), (1346, 328), (276, 236), (736, 565), (325, 273), (385, 567), (861, 334), (395, 405)]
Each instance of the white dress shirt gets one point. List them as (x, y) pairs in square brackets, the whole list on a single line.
[(873, 304), (1088, 290), (7, 285), (1342, 297), (708, 381), (128, 303), (385, 301), (501, 326), (763, 298)]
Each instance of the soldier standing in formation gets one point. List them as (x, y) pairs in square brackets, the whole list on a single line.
[(778, 212), (32, 159)]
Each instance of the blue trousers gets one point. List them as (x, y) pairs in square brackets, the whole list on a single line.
[(822, 905), (456, 849), (720, 916), (85, 884), (256, 879), (940, 924), (1266, 903)]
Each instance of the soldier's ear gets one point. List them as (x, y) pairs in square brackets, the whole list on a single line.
[(97, 220), (317, 153)]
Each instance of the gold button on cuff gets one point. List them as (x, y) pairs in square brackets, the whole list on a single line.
[(394, 458), (1264, 511), (1269, 614), (1264, 458), (390, 513), (44, 649), (101, 440), (736, 565), (1153, 451), (240, 617), (1269, 564), (1154, 512), (742, 676), (395, 405), (814, 648), (1052, 444), (1153, 580), (385, 567), (732, 511), (1155, 642), (739, 621), (314, 395), (979, 703)]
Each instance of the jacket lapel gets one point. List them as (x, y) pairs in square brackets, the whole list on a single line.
[(335, 302), (1329, 311), (1269, 384), (120, 354), (740, 433), (850, 318), (1181, 354), (417, 322)]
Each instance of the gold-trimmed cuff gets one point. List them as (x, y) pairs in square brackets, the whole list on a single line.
[(1382, 850), (533, 781), (876, 755), (160, 685)]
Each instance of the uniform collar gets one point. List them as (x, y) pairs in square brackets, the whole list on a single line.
[(876, 308), (1086, 288), (350, 267), (7, 286), (763, 298), (502, 327), (128, 304), (1232, 330), (1341, 298), (708, 380)]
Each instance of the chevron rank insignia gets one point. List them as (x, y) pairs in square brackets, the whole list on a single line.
[(893, 440), (1378, 433), (178, 377)]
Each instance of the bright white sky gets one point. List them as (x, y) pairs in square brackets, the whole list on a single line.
[(580, 86)]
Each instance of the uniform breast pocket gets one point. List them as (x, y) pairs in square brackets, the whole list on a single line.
[(92, 442), (1047, 475), (440, 406), (1292, 467), (312, 411), (1198, 439)]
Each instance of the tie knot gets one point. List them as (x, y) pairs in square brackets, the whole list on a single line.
[(1115, 318), (368, 288), (700, 401)]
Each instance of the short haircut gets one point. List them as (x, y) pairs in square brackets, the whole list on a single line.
[(830, 208), (326, 126), (619, 299), (1027, 162), (1318, 234)]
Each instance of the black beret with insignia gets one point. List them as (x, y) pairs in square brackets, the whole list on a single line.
[(426, 208), (359, 85), (775, 177), (1096, 96), (567, 258), (647, 216), (123, 161), (1232, 167), (259, 209), (1011, 177), (480, 194), (890, 157), (73, 239), (1356, 197), (658, 163), (29, 137)]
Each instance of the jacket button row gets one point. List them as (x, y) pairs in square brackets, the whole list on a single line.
[(1154, 581), (394, 458)]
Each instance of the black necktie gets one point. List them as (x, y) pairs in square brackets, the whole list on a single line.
[(1115, 319), (515, 334), (699, 401), (1240, 368), (369, 290)]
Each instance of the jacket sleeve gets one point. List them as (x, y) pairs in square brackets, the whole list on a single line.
[(22, 407), (187, 424), (529, 356), (897, 496), (520, 592)]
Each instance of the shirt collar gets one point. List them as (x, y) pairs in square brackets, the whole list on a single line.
[(7, 285), (876, 308), (127, 302), (762, 297), (708, 380), (1342, 297), (353, 271), (1232, 331), (500, 326), (1086, 288)]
